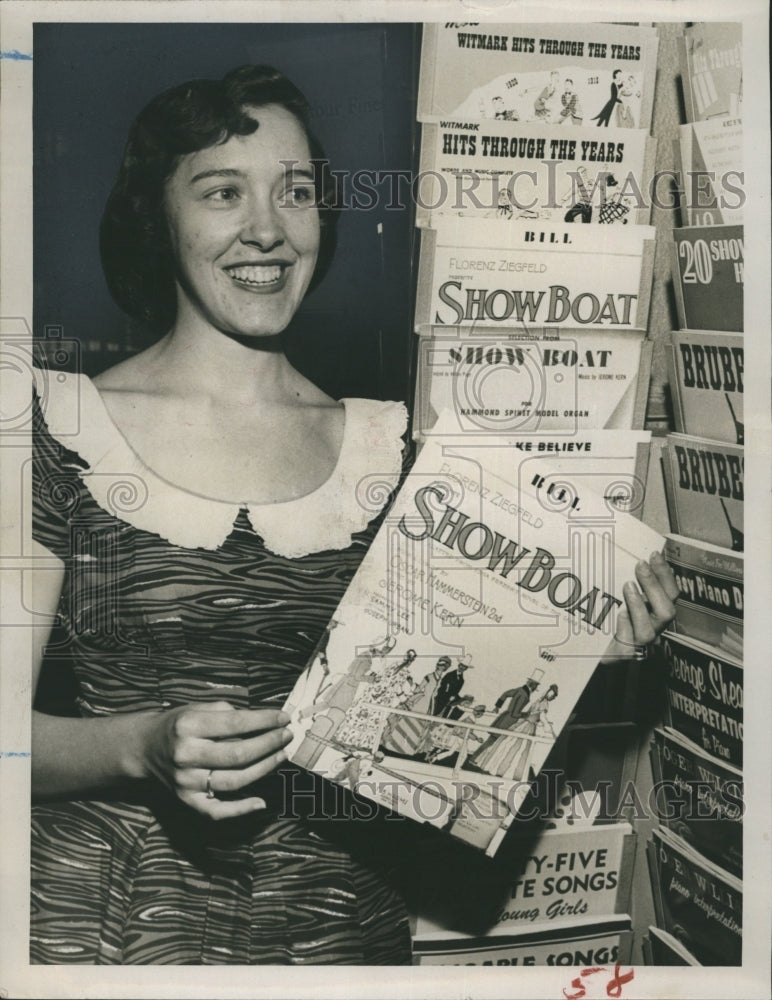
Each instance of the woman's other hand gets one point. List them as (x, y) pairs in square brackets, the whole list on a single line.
[(649, 608), (206, 750)]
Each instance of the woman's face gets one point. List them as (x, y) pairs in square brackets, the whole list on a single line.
[(244, 227)]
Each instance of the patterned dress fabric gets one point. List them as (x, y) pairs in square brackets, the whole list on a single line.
[(133, 876)]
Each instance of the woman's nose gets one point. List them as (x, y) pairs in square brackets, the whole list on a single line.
[(261, 226)]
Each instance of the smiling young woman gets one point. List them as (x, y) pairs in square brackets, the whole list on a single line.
[(215, 403), (190, 613), (206, 522)]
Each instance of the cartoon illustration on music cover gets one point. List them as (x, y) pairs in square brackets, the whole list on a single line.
[(519, 173), (599, 75)]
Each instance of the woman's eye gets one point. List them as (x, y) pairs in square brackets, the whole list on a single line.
[(223, 194), (302, 194)]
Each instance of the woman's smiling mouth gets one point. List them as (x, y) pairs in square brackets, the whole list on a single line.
[(257, 275)]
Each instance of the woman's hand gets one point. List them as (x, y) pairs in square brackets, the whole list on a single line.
[(649, 608), (202, 751)]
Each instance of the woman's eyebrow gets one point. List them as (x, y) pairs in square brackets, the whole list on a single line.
[(233, 172), (302, 172), (221, 172)]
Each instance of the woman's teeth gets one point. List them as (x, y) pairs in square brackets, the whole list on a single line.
[(256, 274)]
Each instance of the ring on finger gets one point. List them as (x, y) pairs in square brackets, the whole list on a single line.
[(209, 790), (640, 650)]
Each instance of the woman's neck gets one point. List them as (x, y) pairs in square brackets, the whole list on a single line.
[(208, 363)]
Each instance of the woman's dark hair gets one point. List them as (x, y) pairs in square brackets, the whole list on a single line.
[(133, 239)]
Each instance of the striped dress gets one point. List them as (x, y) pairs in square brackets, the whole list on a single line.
[(169, 599)]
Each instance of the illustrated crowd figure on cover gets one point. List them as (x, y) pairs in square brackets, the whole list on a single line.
[(382, 710)]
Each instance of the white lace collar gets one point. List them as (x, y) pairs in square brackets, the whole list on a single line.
[(367, 470)]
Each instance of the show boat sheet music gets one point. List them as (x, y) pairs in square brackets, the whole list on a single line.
[(476, 564), (561, 380), (613, 464), (493, 276)]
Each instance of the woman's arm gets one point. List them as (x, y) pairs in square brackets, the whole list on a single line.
[(71, 755), (179, 747)]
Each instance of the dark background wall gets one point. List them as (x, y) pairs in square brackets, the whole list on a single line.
[(353, 334)]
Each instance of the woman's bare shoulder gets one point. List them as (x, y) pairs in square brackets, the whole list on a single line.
[(307, 393)]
